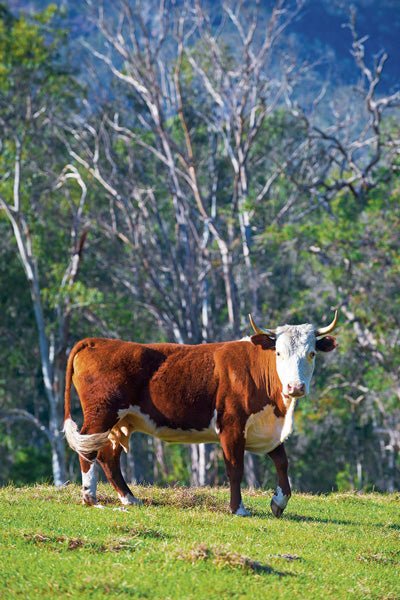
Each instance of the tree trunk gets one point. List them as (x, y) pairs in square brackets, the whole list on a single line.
[(202, 464), (250, 470), (198, 464), (391, 463), (22, 238), (58, 458), (160, 467), (128, 467)]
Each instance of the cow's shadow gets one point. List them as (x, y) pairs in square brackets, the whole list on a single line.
[(306, 519)]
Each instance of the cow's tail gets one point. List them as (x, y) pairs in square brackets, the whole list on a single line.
[(84, 445)]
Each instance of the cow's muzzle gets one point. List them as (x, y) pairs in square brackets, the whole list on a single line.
[(296, 390)]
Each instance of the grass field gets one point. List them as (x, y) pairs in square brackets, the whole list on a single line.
[(184, 544)]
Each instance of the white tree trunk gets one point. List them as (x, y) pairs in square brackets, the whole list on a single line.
[(198, 464), (250, 470), (56, 437), (51, 372)]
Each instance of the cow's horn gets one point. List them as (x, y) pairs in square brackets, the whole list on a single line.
[(325, 330), (258, 329)]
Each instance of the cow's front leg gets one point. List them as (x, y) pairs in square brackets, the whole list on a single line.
[(233, 442), (283, 492)]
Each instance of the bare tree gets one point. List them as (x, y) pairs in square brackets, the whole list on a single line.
[(149, 56), (180, 225), (354, 149), (52, 346)]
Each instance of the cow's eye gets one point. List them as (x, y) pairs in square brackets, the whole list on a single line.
[(312, 354), (278, 353)]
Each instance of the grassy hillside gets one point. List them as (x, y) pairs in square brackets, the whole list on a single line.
[(184, 544)]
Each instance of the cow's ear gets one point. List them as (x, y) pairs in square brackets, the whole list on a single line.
[(326, 344), (263, 340)]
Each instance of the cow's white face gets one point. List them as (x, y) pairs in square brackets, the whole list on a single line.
[(295, 349)]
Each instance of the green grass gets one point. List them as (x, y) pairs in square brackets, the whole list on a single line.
[(184, 544)]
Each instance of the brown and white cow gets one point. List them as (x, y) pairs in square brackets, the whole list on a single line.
[(241, 394)]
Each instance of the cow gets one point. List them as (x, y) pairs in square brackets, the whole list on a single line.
[(240, 394)]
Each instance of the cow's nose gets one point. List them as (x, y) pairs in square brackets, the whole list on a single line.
[(296, 389)]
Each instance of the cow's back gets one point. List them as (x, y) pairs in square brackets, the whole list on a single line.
[(114, 361), (171, 383)]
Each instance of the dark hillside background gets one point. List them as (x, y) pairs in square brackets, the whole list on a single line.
[(317, 34)]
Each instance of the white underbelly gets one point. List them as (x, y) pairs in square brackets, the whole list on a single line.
[(183, 436), (133, 419), (264, 431)]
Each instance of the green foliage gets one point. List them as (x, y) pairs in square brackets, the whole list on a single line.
[(31, 465), (29, 62), (343, 480), (177, 465)]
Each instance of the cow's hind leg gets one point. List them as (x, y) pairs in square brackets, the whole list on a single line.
[(109, 459), (92, 452), (283, 492), (89, 481), (88, 459)]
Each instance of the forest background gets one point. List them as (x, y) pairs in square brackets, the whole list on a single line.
[(167, 168)]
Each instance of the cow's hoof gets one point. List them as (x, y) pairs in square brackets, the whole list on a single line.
[(279, 502), (242, 511), (88, 500), (276, 510), (130, 500)]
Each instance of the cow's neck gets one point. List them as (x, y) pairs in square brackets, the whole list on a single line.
[(268, 380)]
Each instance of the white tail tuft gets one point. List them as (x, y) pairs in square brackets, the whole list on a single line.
[(84, 444)]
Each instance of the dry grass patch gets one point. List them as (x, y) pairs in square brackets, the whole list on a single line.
[(222, 557), (141, 531), (59, 543), (185, 498), (62, 540), (389, 558), (288, 557)]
